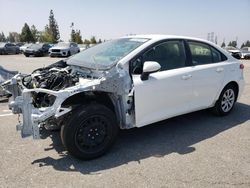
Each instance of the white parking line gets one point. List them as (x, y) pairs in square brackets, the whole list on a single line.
[(3, 115)]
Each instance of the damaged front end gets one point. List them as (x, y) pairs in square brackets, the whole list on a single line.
[(40, 96)]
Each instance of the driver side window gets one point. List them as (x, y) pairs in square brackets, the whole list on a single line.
[(170, 55)]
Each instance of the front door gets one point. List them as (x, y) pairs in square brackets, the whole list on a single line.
[(166, 93)]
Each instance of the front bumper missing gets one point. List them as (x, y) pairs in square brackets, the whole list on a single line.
[(33, 117)]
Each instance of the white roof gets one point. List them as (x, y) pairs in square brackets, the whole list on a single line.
[(161, 37)]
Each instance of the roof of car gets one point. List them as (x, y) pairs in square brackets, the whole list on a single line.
[(161, 37)]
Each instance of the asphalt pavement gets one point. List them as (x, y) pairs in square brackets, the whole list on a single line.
[(193, 150)]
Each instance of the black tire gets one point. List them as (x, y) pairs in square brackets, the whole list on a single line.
[(26, 55), (90, 131), (226, 101)]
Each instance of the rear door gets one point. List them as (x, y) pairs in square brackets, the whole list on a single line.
[(166, 93), (207, 74)]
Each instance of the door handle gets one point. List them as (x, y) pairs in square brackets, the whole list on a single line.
[(219, 69), (186, 77)]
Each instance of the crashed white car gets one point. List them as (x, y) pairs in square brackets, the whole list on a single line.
[(120, 84)]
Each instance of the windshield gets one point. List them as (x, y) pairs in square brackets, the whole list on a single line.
[(35, 46), (63, 44), (105, 55)]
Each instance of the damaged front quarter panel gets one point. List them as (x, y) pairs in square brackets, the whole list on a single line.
[(114, 82)]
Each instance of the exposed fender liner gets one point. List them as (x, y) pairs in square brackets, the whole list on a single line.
[(118, 112), (85, 97)]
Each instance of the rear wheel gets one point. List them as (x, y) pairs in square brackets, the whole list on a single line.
[(90, 131), (226, 101)]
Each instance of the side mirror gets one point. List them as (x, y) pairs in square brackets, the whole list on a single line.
[(148, 68)]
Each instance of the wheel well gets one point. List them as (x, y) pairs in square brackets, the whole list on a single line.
[(236, 87), (89, 97)]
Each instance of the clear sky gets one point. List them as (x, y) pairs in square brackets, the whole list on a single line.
[(109, 19)]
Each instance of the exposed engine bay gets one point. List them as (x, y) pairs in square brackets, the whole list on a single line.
[(47, 94), (55, 78)]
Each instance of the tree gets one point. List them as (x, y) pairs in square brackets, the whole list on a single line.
[(246, 44), (223, 44), (34, 32), (45, 35), (53, 28), (86, 41), (234, 43), (2, 37), (93, 40), (26, 35), (13, 37), (73, 35), (76, 36)]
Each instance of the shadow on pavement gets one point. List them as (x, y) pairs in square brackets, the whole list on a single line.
[(176, 135)]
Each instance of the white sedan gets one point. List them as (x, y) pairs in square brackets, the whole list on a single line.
[(129, 82)]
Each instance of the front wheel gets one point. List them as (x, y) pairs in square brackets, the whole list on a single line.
[(90, 131), (226, 101)]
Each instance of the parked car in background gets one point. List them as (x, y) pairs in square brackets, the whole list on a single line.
[(40, 49), (82, 46), (64, 49), (125, 83), (19, 44), (245, 52), (8, 48), (235, 52), (24, 47)]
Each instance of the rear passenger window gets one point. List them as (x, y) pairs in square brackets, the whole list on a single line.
[(204, 54), (216, 55), (201, 53)]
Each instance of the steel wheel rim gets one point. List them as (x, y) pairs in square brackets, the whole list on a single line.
[(91, 136), (227, 101)]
